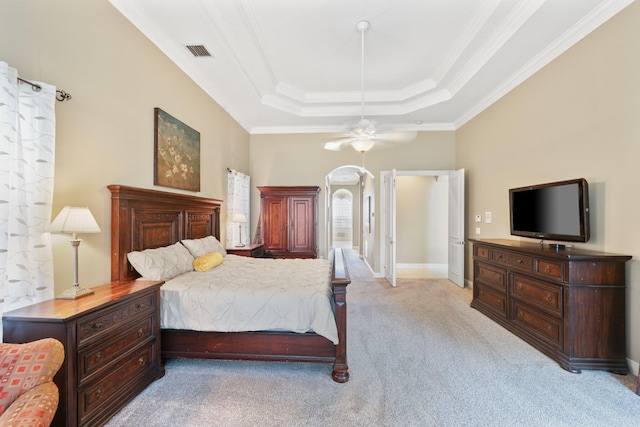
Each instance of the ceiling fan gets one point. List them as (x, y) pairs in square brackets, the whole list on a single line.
[(363, 134)]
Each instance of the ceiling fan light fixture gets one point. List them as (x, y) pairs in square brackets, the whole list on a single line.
[(362, 144)]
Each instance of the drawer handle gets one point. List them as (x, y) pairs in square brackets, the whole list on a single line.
[(139, 306), (99, 393), (519, 261), (549, 329), (520, 313), (141, 361), (97, 325), (548, 296), (98, 356), (140, 332), (519, 286), (547, 269)]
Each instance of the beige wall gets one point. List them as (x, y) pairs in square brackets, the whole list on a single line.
[(104, 134), (578, 117), (299, 159), (421, 219)]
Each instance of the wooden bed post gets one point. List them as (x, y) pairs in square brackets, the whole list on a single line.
[(339, 281)]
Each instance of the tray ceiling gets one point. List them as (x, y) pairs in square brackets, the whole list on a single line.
[(284, 66)]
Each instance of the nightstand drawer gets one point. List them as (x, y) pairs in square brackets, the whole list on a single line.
[(108, 388), (96, 326), (97, 357), (255, 250)]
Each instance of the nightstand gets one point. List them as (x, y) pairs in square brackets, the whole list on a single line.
[(255, 250), (111, 341)]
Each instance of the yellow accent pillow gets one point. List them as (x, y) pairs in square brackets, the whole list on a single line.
[(208, 261)]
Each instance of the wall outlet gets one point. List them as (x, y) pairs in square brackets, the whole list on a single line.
[(477, 230), (478, 218), (487, 217)]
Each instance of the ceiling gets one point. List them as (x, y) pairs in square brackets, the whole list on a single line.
[(295, 66)]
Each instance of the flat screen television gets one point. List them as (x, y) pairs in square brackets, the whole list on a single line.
[(554, 211)]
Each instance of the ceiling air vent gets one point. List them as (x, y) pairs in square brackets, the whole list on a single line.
[(198, 50)]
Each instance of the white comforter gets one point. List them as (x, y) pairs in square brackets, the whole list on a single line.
[(252, 294)]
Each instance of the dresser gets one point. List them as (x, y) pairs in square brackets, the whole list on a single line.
[(568, 303), (112, 347), (288, 218)]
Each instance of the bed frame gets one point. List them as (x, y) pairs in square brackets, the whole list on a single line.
[(144, 218)]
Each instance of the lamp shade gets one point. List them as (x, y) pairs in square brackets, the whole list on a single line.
[(74, 220), (362, 144), (239, 217)]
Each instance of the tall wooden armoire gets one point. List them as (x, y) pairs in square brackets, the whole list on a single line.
[(288, 221)]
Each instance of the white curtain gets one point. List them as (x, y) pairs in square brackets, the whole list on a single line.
[(238, 194), (27, 152)]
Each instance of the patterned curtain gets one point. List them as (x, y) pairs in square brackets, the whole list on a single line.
[(27, 152), (238, 194)]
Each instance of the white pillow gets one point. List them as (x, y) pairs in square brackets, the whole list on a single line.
[(200, 247), (162, 263)]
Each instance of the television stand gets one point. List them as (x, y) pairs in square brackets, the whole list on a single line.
[(567, 303)]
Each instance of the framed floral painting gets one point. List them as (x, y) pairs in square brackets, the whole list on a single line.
[(176, 153)]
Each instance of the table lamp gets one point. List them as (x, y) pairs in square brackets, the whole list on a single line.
[(75, 221), (240, 219)]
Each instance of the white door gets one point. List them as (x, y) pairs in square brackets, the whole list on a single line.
[(390, 227), (456, 227)]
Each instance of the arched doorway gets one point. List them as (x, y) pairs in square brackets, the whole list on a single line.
[(353, 179)]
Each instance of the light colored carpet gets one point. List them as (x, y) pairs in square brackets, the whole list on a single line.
[(418, 356)]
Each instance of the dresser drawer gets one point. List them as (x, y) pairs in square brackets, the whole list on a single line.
[(490, 275), (545, 296), (545, 327), (549, 269), (481, 252), (509, 259), (107, 388), (124, 339), (490, 298), (93, 327)]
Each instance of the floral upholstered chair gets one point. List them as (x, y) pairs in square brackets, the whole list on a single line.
[(28, 395)]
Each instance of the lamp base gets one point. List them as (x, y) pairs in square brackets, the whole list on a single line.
[(75, 292)]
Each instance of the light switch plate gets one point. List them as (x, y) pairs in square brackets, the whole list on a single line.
[(487, 217)]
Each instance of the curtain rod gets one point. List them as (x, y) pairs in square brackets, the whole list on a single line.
[(60, 94)]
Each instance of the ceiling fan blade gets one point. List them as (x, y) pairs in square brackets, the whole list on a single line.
[(334, 145)]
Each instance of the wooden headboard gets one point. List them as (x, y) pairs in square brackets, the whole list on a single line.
[(145, 219)]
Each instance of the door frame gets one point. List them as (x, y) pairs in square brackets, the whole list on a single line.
[(381, 244)]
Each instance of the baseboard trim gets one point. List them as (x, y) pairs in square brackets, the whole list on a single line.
[(633, 367)]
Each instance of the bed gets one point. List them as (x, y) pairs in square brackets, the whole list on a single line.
[(146, 219)]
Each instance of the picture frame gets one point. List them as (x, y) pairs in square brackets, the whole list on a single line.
[(176, 153)]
